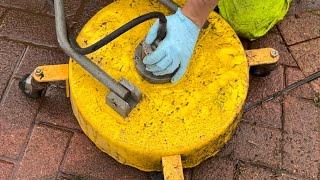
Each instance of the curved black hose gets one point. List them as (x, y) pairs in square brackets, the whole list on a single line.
[(162, 31)]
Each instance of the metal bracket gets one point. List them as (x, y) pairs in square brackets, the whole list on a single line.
[(262, 56), (262, 61), (124, 106), (34, 85), (49, 73), (118, 91), (172, 168)]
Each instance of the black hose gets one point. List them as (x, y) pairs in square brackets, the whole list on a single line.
[(162, 31)]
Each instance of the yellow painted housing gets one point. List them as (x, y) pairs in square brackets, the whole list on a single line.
[(193, 118)]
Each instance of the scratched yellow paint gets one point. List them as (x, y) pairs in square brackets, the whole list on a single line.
[(193, 118)]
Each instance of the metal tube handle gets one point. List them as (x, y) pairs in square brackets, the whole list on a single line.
[(88, 65)]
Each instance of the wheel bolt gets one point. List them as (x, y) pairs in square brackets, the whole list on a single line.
[(38, 72), (274, 53)]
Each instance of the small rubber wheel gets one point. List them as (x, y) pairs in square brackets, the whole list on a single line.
[(156, 176), (216, 9), (29, 93), (262, 70)]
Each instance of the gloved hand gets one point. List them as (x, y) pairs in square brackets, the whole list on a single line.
[(175, 51)]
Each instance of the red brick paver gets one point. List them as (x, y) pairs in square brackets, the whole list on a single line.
[(250, 172), (43, 154), (2, 10), (302, 27), (215, 168), (10, 54), (37, 56), (294, 75), (85, 160), (5, 170), (273, 39), (41, 139), (300, 6), (28, 27), (56, 109), (17, 113), (269, 114), (301, 116), (36, 6), (301, 154), (257, 144), (307, 55), (285, 176)]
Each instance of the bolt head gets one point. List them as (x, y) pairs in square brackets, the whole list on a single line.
[(274, 53), (38, 72)]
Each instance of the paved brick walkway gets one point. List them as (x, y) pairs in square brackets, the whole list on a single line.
[(40, 139)]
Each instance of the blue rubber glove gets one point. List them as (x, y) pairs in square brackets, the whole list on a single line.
[(175, 51)]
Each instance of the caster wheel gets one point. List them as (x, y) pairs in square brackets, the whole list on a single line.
[(156, 176), (216, 9), (262, 70), (30, 89)]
